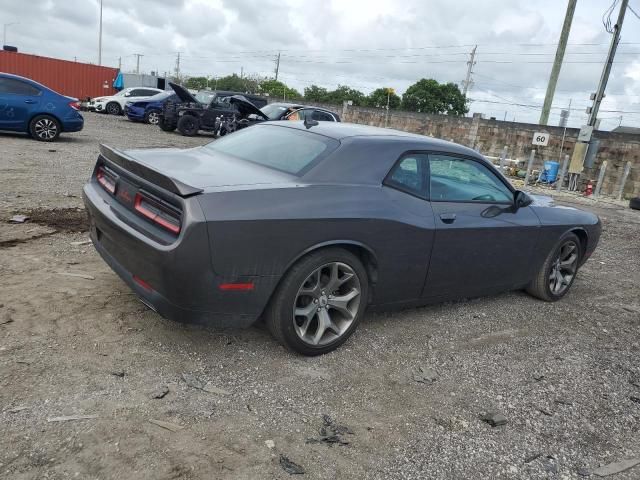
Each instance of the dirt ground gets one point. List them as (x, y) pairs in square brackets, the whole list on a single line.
[(74, 341)]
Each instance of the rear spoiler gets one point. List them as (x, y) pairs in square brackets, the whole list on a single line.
[(130, 164)]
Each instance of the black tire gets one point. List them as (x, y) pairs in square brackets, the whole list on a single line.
[(45, 128), (113, 108), (188, 125), (635, 203), (152, 117), (165, 125), (279, 316), (540, 286)]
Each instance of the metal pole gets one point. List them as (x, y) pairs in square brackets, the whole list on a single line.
[(557, 63), (138, 55), (100, 37), (593, 115), (470, 63), (529, 166), (277, 65), (623, 180), (563, 172), (503, 158), (603, 168)]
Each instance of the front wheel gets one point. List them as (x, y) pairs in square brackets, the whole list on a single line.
[(113, 108), (555, 277), (44, 128), (152, 117), (319, 303), (188, 125)]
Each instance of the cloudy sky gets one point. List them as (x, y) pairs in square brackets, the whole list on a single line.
[(361, 43)]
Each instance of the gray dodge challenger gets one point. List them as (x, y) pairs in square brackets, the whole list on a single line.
[(306, 225)]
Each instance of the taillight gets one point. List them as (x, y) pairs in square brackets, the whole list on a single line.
[(106, 179), (75, 105), (158, 213)]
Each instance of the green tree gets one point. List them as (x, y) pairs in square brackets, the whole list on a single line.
[(196, 83), (277, 89), (378, 98), (234, 83), (344, 92), (315, 93), (429, 96)]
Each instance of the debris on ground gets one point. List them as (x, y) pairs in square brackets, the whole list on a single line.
[(19, 219), (5, 318), (425, 375), (494, 419), (83, 242), (331, 433), (634, 399), (583, 472), (193, 382), (563, 401), (616, 467), (532, 457), (270, 444), (166, 425), (17, 409), (70, 418), (290, 467), (538, 377), (86, 276), (118, 373), (160, 392), (546, 412)]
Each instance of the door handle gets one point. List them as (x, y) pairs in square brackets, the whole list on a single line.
[(448, 217), (31, 102)]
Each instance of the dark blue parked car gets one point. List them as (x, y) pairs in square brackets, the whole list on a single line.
[(148, 110), (29, 107)]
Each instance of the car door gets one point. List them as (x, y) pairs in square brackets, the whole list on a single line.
[(19, 101), (482, 243)]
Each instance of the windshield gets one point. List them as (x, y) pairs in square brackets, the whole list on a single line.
[(285, 149), (205, 97), (273, 111)]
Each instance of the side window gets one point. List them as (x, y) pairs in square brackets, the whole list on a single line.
[(410, 175), (322, 116), (454, 179), (149, 93), (16, 87)]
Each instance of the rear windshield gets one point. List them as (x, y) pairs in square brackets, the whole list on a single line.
[(285, 149), (274, 112)]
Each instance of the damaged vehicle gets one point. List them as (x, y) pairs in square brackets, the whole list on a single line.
[(212, 111), (307, 224)]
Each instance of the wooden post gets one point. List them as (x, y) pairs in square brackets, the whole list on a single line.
[(529, 166), (603, 168), (563, 172), (623, 180)]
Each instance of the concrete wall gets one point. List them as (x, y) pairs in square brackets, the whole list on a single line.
[(490, 136)]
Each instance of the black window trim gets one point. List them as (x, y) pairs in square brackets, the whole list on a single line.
[(388, 182), (476, 160)]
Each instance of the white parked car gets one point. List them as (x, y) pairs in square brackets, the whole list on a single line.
[(114, 104)]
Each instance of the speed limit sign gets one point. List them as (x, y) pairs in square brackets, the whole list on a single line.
[(540, 138)]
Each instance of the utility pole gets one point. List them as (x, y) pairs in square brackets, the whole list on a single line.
[(277, 65), (100, 37), (241, 72), (119, 63), (597, 99), (468, 82), (557, 63), (178, 68), (138, 55)]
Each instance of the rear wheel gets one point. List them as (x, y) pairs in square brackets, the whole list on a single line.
[(113, 108), (166, 125), (44, 128), (555, 277), (319, 303), (152, 117), (188, 125)]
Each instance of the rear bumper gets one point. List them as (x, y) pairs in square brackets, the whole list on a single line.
[(176, 281), (73, 125)]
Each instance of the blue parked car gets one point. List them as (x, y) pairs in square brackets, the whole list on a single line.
[(148, 110), (29, 107)]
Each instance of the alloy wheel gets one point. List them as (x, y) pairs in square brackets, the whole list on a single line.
[(153, 118), (326, 304), (46, 128), (563, 268), (113, 109)]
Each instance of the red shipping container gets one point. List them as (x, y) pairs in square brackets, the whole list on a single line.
[(74, 79)]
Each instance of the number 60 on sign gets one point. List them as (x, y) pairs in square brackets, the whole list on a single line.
[(540, 138)]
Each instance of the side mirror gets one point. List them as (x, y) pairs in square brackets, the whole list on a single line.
[(128, 94), (521, 199)]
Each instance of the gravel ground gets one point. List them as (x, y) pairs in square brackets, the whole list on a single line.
[(564, 375)]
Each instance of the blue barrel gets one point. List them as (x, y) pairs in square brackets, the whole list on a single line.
[(549, 172)]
